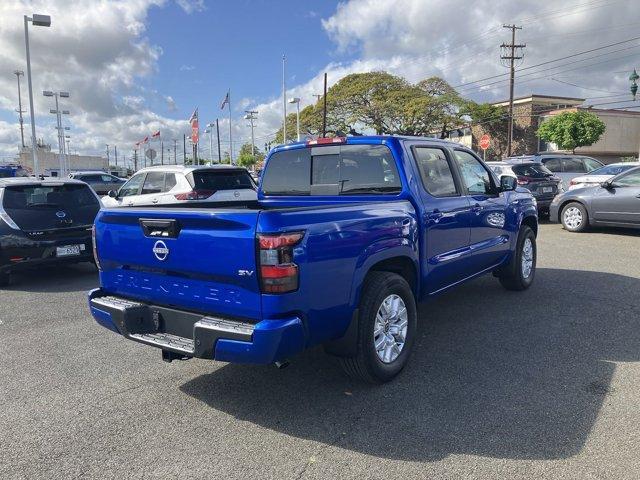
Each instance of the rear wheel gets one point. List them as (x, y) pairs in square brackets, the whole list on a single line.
[(521, 270), (574, 217), (387, 322)]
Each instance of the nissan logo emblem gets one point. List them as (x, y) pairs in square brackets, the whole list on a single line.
[(61, 214), (160, 250)]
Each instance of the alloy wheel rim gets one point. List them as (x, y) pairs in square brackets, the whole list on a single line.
[(527, 258), (572, 217), (390, 328)]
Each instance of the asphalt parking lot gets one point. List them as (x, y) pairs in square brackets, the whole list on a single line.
[(540, 384)]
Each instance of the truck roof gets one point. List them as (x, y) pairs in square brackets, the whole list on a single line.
[(378, 138)]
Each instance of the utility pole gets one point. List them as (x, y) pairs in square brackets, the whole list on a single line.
[(251, 116), (19, 73), (184, 148), (175, 151), (324, 108), (107, 155), (115, 153), (509, 53)]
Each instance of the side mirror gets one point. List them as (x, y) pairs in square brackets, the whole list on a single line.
[(508, 183), (112, 194)]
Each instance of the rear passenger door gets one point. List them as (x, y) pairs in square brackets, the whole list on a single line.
[(446, 219), (489, 238)]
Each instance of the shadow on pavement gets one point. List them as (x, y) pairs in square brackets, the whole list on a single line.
[(55, 278), (495, 373)]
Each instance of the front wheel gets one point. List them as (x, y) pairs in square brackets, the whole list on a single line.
[(387, 322), (519, 273)]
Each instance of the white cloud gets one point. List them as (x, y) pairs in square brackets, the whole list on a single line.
[(171, 103), (96, 50), (459, 41), (187, 68), (190, 6)]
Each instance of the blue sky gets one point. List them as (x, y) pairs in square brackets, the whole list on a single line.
[(137, 66), (237, 44)]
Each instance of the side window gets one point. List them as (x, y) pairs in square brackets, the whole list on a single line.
[(169, 181), (629, 180), (132, 186), (107, 179), (154, 183), (573, 165), (553, 164), (591, 164), (474, 176), (91, 178), (367, 169), (435, 172)]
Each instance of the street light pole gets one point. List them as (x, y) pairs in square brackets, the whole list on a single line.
[(59, 127), (296, 100), (42, 21), (18, 73), (251, 116)]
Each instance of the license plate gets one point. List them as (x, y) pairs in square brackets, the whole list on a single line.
[(547, 189), (69, 250)]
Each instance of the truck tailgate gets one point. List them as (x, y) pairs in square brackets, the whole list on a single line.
[(193, 259)]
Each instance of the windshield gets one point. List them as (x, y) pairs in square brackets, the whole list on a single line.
[(533, 170), (217, 180), (611, 169), (47, 196)]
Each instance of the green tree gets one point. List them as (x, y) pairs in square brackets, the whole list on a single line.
[(246, 158), (570, 130)]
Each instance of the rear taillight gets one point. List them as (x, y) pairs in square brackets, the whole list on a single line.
[(573, 182), (195, 195), (278, 272), (523, 181), (95, 247)]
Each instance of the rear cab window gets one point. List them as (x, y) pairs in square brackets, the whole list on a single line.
[(216, 180), (532, 170), (332, 170)]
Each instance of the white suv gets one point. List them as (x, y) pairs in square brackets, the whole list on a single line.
[(179, 183)]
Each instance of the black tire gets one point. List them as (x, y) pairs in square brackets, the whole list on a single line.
[(5, 279), (512, 277), (580, 212), (366, 365)]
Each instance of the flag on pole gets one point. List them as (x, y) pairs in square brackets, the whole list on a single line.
[(225, 101), (195, 128), (156, 135), (146, 140)]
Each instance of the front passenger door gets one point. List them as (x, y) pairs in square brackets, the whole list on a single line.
[(489, 239), (621, 203)]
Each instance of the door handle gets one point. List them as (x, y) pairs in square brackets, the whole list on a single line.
[(436, 215), (155, 200)]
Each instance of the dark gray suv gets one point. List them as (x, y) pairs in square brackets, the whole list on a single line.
[(563, 165), (615, 203)]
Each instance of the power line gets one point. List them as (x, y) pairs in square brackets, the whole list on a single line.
[(551, 61)]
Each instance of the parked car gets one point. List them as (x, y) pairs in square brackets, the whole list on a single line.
[(347, 234), (175, 184), (601, 174), (101, 182), (12, 170), (44, 222), (501, 168), (616, 202), (565, 166)]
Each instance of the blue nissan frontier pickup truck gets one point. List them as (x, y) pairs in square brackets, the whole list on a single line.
[(347, 235)]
